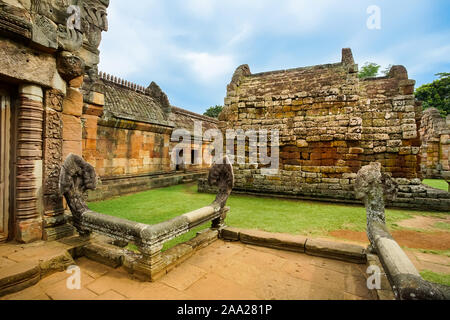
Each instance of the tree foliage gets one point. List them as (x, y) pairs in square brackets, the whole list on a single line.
[(213, 112), (369, 69), (386, 71), (436, 94)]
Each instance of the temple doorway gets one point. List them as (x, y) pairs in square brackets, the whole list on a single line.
[(5, 162)]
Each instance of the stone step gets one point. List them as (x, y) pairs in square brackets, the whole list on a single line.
[(28, 264), (336, 250), (105, 254), (18, 277), (322, 248)]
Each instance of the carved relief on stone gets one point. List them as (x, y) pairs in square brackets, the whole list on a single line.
[(53, 159), (69, 39), (54, 99), (53, 204), (53, 124), (44, 31), (53, 201), (14, 22), (49, 15), (69, 65), (50, 18), (94, 21)]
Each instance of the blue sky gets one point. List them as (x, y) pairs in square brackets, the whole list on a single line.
[(192, 47)]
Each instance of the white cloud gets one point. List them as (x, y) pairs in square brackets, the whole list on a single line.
[(420, 54), (245, 33), (197, 44), (200, 8), (429, 59), (208, 67)]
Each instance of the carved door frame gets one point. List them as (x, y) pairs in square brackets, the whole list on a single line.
[(6, 158)]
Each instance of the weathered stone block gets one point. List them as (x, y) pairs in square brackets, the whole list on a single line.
[(336, 250), (73, 102), (105, 254), (230, 234), (96, 98), (273, 240), (28, 231), (409, 135), (18, 276), (74, 147), (71, 128), (57, 263)]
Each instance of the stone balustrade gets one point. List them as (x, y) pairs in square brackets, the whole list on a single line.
[(372, 186), (77, 176)]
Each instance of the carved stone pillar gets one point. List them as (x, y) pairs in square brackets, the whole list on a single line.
[(29, 200), (55, 222)]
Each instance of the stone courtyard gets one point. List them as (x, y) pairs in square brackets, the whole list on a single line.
[(242, 272), (70, 134)]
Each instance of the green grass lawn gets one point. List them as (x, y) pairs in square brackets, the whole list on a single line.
[(436, 277), (437, 184), (249, 212)]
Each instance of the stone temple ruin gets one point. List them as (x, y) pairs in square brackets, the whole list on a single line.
[(69, 133), (56, 103), (332, 124)]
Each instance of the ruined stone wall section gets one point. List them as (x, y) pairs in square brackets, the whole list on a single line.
[(331, 124), (390, 124), (435, 150)]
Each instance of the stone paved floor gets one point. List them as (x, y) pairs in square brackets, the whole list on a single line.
[(219, 272)]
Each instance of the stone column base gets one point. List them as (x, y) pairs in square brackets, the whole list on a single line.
[(58, 232), (29, 231)]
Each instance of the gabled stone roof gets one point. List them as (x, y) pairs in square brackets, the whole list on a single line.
[(128, 104), (184, 119), (127, 101)]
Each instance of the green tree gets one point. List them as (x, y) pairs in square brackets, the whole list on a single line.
[(436, 94), (387, 70), (213, 112), (369, 69)]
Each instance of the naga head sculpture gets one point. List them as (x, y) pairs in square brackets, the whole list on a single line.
[(221, 175), (76, 177)]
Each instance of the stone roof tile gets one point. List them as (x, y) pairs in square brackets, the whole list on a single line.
[(128, 104)]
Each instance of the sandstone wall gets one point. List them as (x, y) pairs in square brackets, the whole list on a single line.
[(119, 151), (331, 124), (435, 150), (126, 136)]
